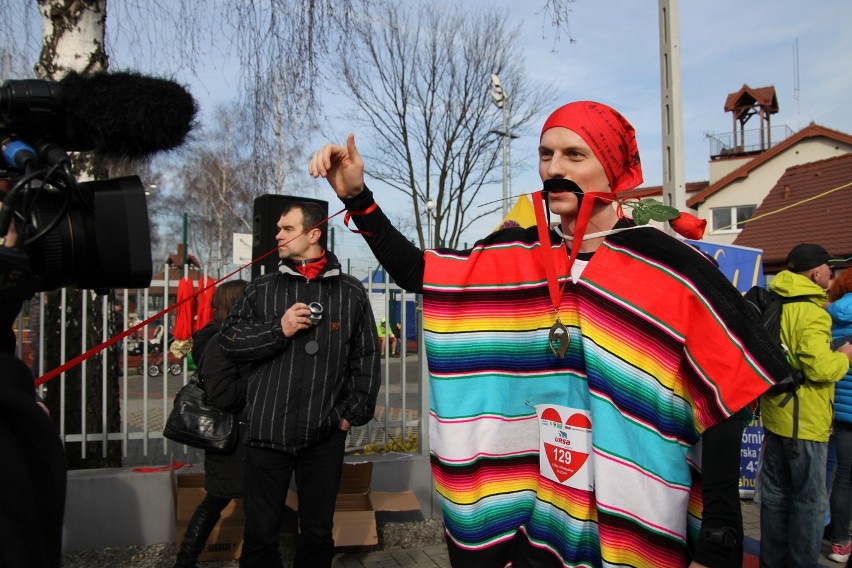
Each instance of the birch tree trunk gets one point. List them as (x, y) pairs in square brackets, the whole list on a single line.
[(73, 40), (73, 37)]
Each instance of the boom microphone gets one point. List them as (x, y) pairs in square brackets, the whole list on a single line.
[(123, 114)]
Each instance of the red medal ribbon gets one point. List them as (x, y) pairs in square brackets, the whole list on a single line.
[(546, 253)]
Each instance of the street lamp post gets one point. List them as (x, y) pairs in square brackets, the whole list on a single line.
[(501, 101), (430, 206)]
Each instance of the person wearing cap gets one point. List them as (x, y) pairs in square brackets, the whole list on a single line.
[(384, 331), (793, 497), (574, 370)]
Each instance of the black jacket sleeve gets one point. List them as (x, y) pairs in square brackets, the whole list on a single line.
[(225, 390), (403, 261), (364, 371), (247, 336)]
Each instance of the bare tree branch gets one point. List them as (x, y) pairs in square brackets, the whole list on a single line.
[(421, 81), (557, 13)]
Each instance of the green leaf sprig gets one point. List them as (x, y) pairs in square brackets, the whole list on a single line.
[(648, 209)]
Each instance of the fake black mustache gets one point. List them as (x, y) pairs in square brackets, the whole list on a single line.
[(561, 185)]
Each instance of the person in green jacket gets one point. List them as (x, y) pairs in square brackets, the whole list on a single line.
[(384, 331), (792, 475)]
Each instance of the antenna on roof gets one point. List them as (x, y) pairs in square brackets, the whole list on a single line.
[(796, 82)]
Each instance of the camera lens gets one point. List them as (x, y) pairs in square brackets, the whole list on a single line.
[(316, 312), (102, 240)]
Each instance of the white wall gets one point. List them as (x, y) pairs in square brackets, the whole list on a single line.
[(751, 190), (721, 168)]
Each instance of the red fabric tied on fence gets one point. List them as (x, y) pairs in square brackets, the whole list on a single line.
[(204, 313), (183, 317)]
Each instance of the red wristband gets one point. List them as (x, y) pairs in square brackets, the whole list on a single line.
[(366, 211)]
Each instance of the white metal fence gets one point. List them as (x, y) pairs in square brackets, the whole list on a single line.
[(149, 375)]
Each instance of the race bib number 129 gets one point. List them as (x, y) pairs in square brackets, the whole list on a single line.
[(565, 445)]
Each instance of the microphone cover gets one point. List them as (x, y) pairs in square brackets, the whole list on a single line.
[(125, 114)]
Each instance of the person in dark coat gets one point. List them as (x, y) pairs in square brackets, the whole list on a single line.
[(33, 475), (308, 331), (225, 385)]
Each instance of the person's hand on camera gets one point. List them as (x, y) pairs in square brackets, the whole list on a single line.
[(11, 236), (295, 319)]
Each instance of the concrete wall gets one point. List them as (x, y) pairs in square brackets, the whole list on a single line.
[(404, 472), (117, 507)]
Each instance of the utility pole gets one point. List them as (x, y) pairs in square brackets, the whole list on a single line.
[(671, 88)]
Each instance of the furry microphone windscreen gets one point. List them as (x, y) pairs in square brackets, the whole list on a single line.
[(124, 114)]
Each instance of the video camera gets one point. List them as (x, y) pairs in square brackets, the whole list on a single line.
[(94, 234)]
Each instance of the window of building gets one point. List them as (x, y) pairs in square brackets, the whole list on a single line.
[(731, 219)]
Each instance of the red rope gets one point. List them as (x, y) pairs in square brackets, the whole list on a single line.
[(154, 469), (98, 348)]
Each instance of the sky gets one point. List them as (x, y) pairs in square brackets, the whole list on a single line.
[(724, 44), (614, 59)]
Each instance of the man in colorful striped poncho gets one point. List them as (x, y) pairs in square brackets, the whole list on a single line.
[(572, 382)]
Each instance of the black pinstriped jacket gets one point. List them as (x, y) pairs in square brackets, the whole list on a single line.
[(296, 399)]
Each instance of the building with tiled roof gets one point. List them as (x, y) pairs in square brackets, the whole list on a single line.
[(691, 187), (744, 182), (745, 164), (810, 203), (173, 270)]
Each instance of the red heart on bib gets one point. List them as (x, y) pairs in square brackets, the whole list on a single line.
[(551, 414), (563, 453)]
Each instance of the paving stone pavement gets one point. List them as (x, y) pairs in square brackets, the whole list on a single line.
[(436, 555), (751, 529), (431, 556), (425, 557)]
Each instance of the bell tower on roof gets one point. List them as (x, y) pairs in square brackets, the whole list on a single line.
[(744, 104)]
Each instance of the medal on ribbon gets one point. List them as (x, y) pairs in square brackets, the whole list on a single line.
[(559, 338)]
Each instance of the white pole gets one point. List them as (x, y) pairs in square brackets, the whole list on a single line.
[(671, 88), (430, 206), (505, 159)]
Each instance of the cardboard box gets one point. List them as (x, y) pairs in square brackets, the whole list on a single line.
[(356, 507), (226, 540)]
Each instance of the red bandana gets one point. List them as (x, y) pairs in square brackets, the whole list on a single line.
[(608, 134), (613, 140)]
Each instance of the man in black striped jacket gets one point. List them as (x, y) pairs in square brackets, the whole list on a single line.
[(308, 329)]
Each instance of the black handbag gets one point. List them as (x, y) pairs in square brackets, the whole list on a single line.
[(195, 423)]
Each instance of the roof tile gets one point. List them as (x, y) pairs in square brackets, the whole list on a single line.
[(810, 203)]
